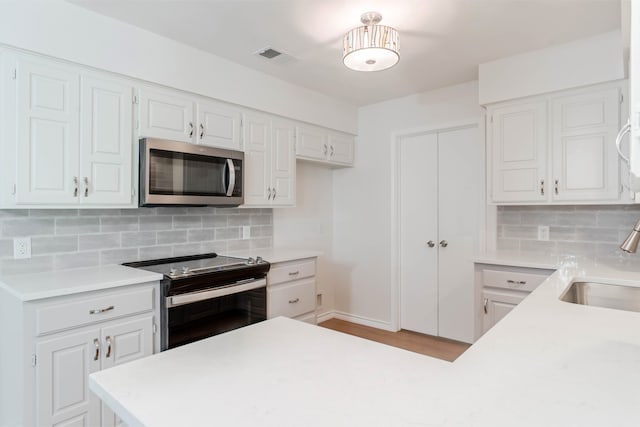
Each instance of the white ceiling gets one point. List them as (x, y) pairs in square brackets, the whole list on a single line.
[(441, 41)]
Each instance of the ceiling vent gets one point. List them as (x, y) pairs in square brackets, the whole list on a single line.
[(274, 55)]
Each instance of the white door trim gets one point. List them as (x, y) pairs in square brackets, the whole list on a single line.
[(396, 137)]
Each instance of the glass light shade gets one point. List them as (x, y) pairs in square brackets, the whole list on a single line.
[(371, 48)]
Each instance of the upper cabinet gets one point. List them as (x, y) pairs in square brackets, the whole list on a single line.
[(270, 164), (556, 149), (168, 114), (72, 141), (322, 145)]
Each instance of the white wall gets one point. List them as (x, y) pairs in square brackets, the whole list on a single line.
[(67, 31), (362, 198), (579, 63), (309, 225)]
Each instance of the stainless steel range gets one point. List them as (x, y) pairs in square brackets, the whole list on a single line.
[(205, 295)]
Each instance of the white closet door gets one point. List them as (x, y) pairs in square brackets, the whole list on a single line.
[(460, 178), (419, 225)]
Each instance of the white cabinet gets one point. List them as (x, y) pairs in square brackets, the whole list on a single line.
[(61, 340), (173, 115), (501, 288), (73, 143), (438, 230), (557, 148), (318, 144), (270, 167), (634, 104), (291, 290)]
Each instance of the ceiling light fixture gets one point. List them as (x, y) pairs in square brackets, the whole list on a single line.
[(371, 47)]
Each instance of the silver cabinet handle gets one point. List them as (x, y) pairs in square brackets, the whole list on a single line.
[(75, 185), (430, 243), (486, 302), (294, 273), (96, 343), (201, 131), (331, 155), (542, 187), (517, 282), (555, 187), (274, 194), (190, 129), (101, 310), (268, 193), (86, 186), (108, 340), (444, 243), (325, 149), (293, 301)]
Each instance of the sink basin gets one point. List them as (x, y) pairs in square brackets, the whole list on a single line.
[(606, 295)]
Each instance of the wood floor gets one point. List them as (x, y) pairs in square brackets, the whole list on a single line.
[(425, 344)]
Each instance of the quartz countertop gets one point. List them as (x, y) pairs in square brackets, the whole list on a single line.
[(274, 255), (35, 286), (547, 363), (520, 259)]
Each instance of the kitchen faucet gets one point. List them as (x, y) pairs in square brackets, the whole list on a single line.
[(631, 242)]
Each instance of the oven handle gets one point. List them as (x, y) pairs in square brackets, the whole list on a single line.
[(232, 177), (235, 288)]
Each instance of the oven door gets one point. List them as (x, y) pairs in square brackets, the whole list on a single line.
[(177, 173), (193, 316)]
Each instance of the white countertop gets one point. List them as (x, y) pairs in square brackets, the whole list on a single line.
[(547, 363), (274, 255), (34, 286), (520, 259)]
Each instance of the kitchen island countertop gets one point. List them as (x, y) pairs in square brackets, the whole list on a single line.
[(547, 363)]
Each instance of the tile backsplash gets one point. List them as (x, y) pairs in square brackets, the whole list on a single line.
[(594, 231), (70, 238)]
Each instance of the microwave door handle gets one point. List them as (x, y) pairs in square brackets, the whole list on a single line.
[(232, 177)]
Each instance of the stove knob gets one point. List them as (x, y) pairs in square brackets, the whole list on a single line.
[(185, 270), (259, 260), (172, 272), (251, 261)]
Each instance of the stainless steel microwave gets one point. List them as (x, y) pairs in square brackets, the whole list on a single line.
[(176, 173)]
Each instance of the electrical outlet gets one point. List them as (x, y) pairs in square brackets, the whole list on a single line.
[(246, 232), (543, 232), (22, 247)]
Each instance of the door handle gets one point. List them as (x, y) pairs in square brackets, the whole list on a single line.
[(108, 347), (86, 186), (486, 302), (201, 131), (96, 343), (444, 243), (430, 243), (75, 186)]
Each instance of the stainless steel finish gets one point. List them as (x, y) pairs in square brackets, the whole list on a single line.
[(75, 184), (108, 340), (294, 273), (293, 301), (96, 343), (605, 295), (542, 187), (325, 149), (242, 286), (331, 155), (444, 243), (86, 186), (268, 193), (486, 303), (517, 282), (232, 177), (555, 186), (431, 243), (273, 197), (190, 129), (201, 131), (101, 310), (147, 144), (630, 244)]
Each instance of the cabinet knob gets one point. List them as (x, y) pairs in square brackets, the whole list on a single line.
[(201, 131), (190, 129), (431, 243), (444, 243), (542, 187), (555, 186), (86, 186), (75, 186), (268, 193)]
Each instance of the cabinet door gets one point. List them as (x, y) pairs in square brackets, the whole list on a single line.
[(634, 92), (283, 163), (123, 342), (107, 142), (47, 115), (62, 373), (166, 115), (340, 149), (218, 125), (585, 160), (419, 225), (460, 171), (257, 158), (517, 138), (497, 304), (311, 143)]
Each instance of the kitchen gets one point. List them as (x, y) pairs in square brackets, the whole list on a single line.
[(333, 213)]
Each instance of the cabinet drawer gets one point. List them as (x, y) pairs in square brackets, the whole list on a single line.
[(294, 270), (512, 279), (292, 300), (65, 315)]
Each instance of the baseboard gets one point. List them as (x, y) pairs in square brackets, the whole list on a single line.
[(325, 316), (363, 321)]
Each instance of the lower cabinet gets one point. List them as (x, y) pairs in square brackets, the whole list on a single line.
[(291, 290), (502, 288), (72, 337)]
